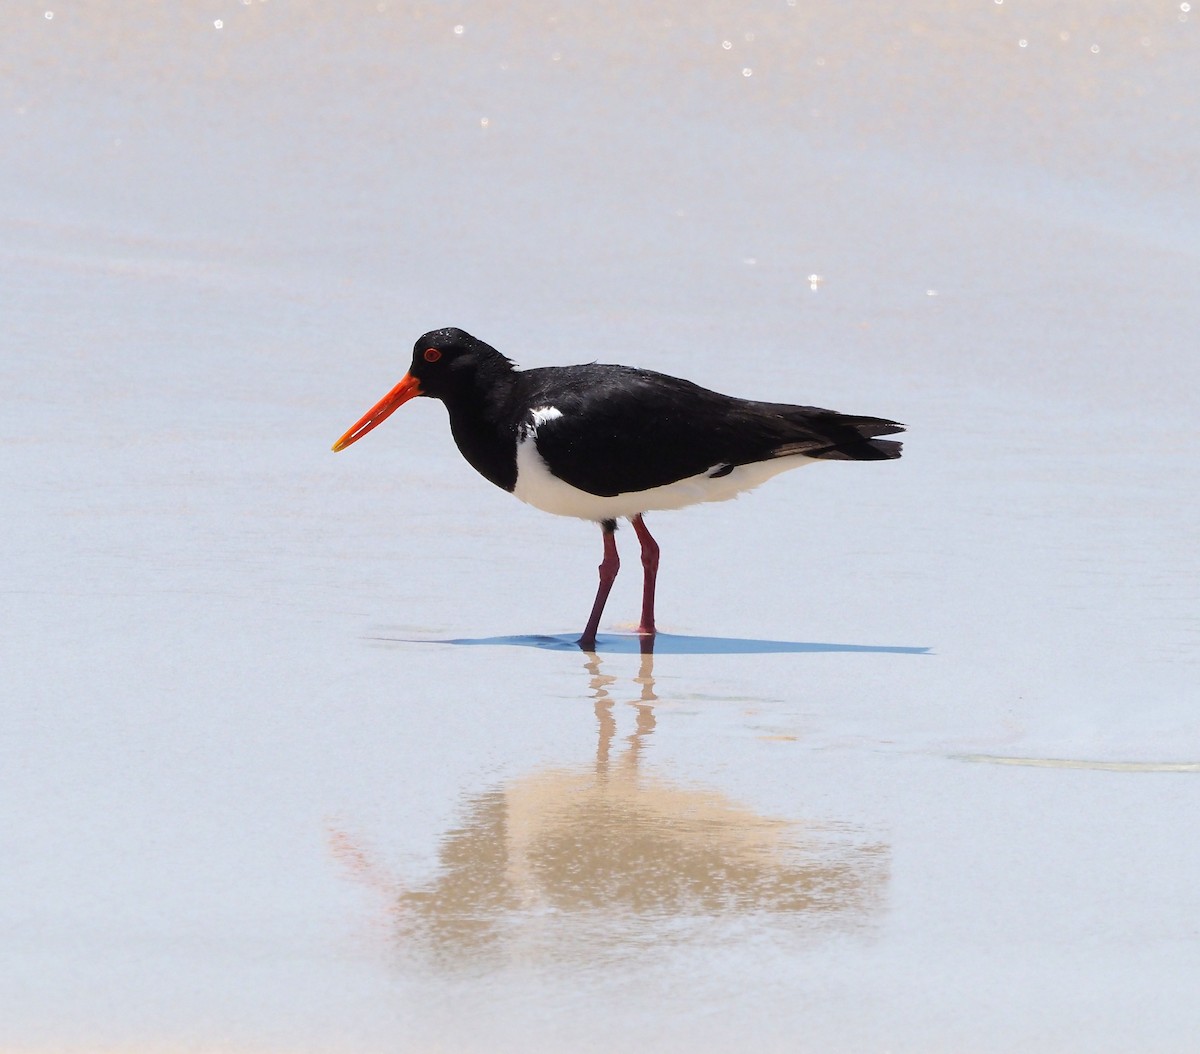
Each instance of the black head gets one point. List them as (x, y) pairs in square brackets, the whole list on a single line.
[(447, 364), (447, 360)]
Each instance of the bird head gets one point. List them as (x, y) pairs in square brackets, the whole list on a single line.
[(447, 360), (444, 361)]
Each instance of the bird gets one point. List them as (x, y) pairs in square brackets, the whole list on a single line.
[(605, 442)]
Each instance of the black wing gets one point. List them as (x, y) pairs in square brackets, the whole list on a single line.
[(624, 429)]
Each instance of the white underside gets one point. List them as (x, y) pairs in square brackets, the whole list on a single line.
[(538, 486)]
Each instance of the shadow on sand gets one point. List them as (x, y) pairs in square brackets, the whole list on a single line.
[(663, 644)]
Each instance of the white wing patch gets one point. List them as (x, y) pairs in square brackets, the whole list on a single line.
[(541, 415)]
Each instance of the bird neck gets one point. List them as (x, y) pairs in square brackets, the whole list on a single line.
[(484, 425)]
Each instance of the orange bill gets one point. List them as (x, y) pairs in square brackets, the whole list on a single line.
[(407, 389)]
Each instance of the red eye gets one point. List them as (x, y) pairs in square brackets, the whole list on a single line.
[(432, 354)]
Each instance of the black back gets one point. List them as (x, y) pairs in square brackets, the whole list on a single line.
[(626, 429)]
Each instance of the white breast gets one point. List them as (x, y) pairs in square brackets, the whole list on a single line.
[(538, 486)]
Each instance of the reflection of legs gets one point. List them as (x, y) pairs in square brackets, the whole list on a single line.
[(645, 675), (644, 706), (604, 711), (650, 567), (608, 573)]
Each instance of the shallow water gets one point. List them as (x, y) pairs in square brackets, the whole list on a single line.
[(298, 752)]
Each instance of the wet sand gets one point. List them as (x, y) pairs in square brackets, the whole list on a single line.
[(297, 752)]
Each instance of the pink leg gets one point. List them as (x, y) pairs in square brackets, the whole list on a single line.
[(609, 567), (650, 567)]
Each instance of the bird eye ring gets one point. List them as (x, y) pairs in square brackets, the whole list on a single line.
[(432, 354)]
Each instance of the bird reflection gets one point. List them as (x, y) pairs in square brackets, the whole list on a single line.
[(602, 860)]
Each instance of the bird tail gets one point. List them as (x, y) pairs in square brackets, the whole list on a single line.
[(844, 437), (881, 450)]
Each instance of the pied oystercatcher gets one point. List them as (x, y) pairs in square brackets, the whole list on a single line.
[(603, 442)]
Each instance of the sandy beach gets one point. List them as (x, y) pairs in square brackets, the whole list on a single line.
[(296, 751)]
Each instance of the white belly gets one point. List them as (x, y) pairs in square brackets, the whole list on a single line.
[(537, 486)]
